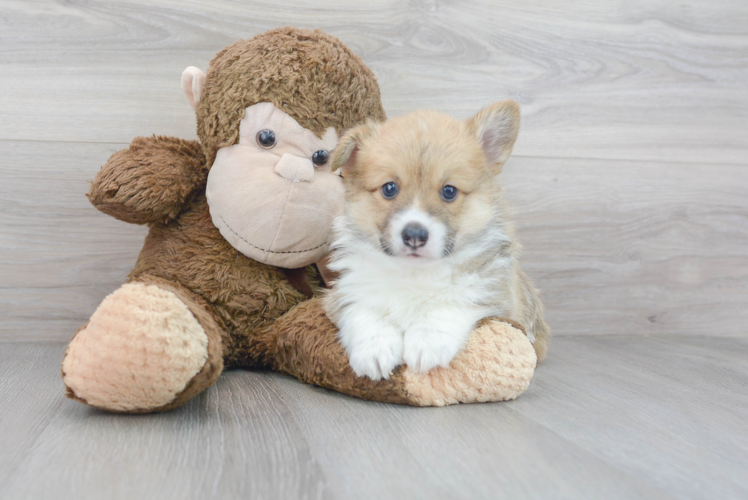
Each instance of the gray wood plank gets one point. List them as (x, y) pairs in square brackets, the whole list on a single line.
[(236, 441), (616, 247), (647, 80), (605, 417), (371, 450), (59, 257), (620, 247), (30, 397), (671, 409)]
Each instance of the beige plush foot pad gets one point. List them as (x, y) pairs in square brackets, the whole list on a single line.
[(497, 364), (139, 350)]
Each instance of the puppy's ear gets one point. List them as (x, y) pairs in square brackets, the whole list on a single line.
[(345, 154), (496, 127)]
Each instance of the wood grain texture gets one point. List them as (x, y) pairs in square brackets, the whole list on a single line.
[(30, 390), (616, 247), (236, 442), (628, 179), (59, 257), (634, 247), (673, 409), (618, 79), (661, 417)]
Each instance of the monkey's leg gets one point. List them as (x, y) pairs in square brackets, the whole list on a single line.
[(150, 346), (497, 364)]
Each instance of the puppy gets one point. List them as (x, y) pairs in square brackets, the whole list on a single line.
[(424, 250)]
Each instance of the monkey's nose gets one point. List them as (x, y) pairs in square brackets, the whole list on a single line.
[(295, 168)]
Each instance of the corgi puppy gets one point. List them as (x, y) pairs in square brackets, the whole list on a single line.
[(424, 249)]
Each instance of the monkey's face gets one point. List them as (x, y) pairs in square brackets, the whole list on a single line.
[(272, 195)]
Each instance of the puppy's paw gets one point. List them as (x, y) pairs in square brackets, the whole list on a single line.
[(375, 365), (424, 349), (375, 352)]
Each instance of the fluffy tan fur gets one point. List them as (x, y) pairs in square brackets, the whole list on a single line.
[(421, 159), (422, 152)]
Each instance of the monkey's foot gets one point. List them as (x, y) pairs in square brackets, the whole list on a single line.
[(497, 364), (142, 350)]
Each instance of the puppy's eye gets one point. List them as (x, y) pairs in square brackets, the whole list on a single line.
[(449, 193), (390, 190), (320, 157), (266, 139)]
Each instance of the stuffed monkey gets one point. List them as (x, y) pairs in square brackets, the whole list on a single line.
[(226, 277)]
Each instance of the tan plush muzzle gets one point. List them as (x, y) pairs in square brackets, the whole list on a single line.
[(267, 216), (270, 201)]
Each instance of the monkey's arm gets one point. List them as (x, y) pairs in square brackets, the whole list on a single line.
[(151, 181)]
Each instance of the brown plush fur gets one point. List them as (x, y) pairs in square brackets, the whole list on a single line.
[(310, 75), (244, 295), (151, 181), (160, 181)]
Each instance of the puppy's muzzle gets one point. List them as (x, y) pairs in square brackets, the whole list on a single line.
[(415, 235)]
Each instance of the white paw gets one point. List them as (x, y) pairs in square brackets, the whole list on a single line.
[(375, 351), (424, 349), (378, 364)]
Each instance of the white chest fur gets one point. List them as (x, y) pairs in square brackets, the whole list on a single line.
[(390, 310), (407, 294)]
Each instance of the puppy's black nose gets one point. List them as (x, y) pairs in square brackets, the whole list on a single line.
[(415, 235)]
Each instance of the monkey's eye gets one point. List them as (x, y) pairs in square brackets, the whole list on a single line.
[(320, 157), (390, 190), (266, 138), (449, 193)]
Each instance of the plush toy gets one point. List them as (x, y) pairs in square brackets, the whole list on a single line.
[(226, 277)]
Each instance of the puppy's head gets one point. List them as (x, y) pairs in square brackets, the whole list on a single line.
[(421, 185)]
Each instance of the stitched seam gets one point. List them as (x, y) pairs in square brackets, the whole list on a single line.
[(262, 249), (280, 220)]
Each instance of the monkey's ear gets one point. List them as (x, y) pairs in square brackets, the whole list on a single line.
[(496, 127), (345, 153), (193, 83)]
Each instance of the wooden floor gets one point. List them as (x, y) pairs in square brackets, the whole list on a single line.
[(630, 186), (607, 417)]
